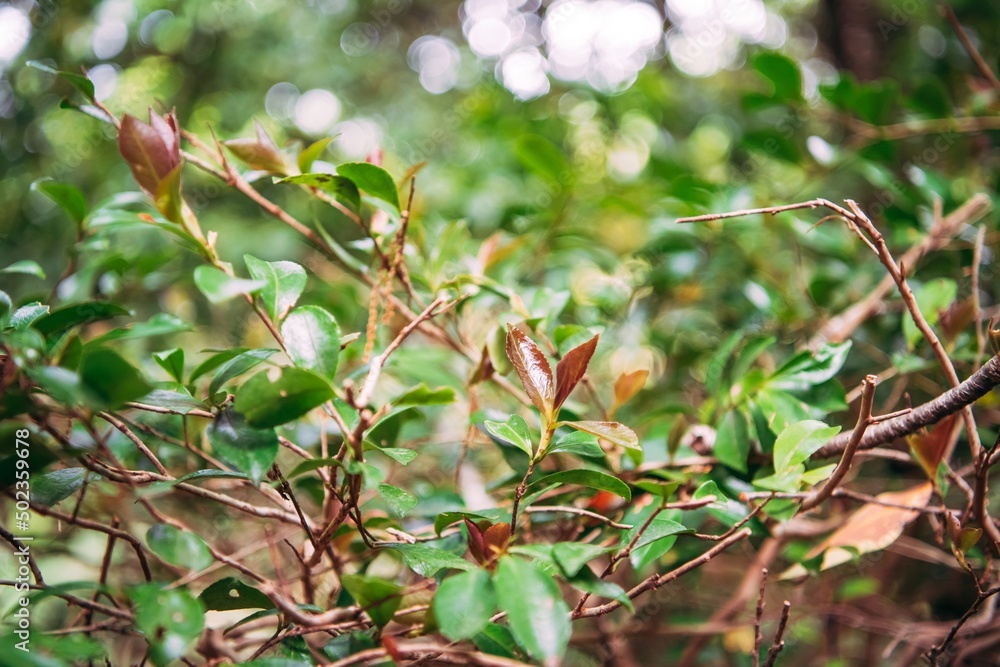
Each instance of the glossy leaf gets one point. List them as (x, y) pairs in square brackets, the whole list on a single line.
[(78, 81), (179, 547), (311, 153), (252, 450), (579, 443), (25, 267), (796, 443), (514, 430), (589, 478), (68, 197), (236, 365), (172, 361), (284, 283), (613, 432), (533, 369), (25, 316), (49, 488), (312, 338), (571, 369), (464, 604), (428, 561), (266, 403), (64, 318), (343, 189), (178, 401), (536, 613), (371, 179), (231, 593), (399, 501), (378, 597), (218, 286)]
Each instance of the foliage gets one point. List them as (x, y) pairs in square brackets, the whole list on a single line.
[(475, 394)]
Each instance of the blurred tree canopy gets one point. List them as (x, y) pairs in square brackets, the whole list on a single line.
[(552, 146)]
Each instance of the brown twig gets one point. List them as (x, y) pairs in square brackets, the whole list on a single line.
[(779, 644), (755, 655), (864, 420), (970, 48)]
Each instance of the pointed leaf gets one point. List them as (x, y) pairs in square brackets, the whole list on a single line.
[(231, 593), (532, 368), (284, 284), (218, 286), (571, 369), (628, 385), (399, 501), (372, 179), (78, 81), (236, 365), (27, 267), (428, 561), (796, 443), (311, 153), (579, 443), (613, 432), (930, 446), (574, 556), (537, 615), (514, 430), (110, 378), (258, 153), (591, 478), (64, 318)]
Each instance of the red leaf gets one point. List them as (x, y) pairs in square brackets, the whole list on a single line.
[(151, 151), (571, 368), (260, 153), (930, 447), (533, 369)]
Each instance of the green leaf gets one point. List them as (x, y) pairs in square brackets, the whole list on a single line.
[(170, 619), (25, 266), (536, 613), (424, 395), (265, 402), (208, 474), (371, 179), (496, 639), (312, 338), (347, 644), (78, 81), (579, 443), (250, 449), (428, 561), (23, 317), (343, 189), (588, 582), (68, 197), (807, 369), (218, 286), (378, 597), (397, 454), (399, 501), (514, 430), (111, 379), (237, 365), (574, 556), (284, 284), (179, 547), (658, 529), (613, 432), (782, 72), (311, 153), (313, 464), (933, 298), (544, 158), (161, 324), (61, 319), (732, 441), (231, 593), (786, 481), (590, 478), (63, 385), (464, 604), (5, 305), (51, 487), (178, 401), (796, 443), (172, 361)]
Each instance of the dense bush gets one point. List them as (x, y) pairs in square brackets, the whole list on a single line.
[(283, 408)]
